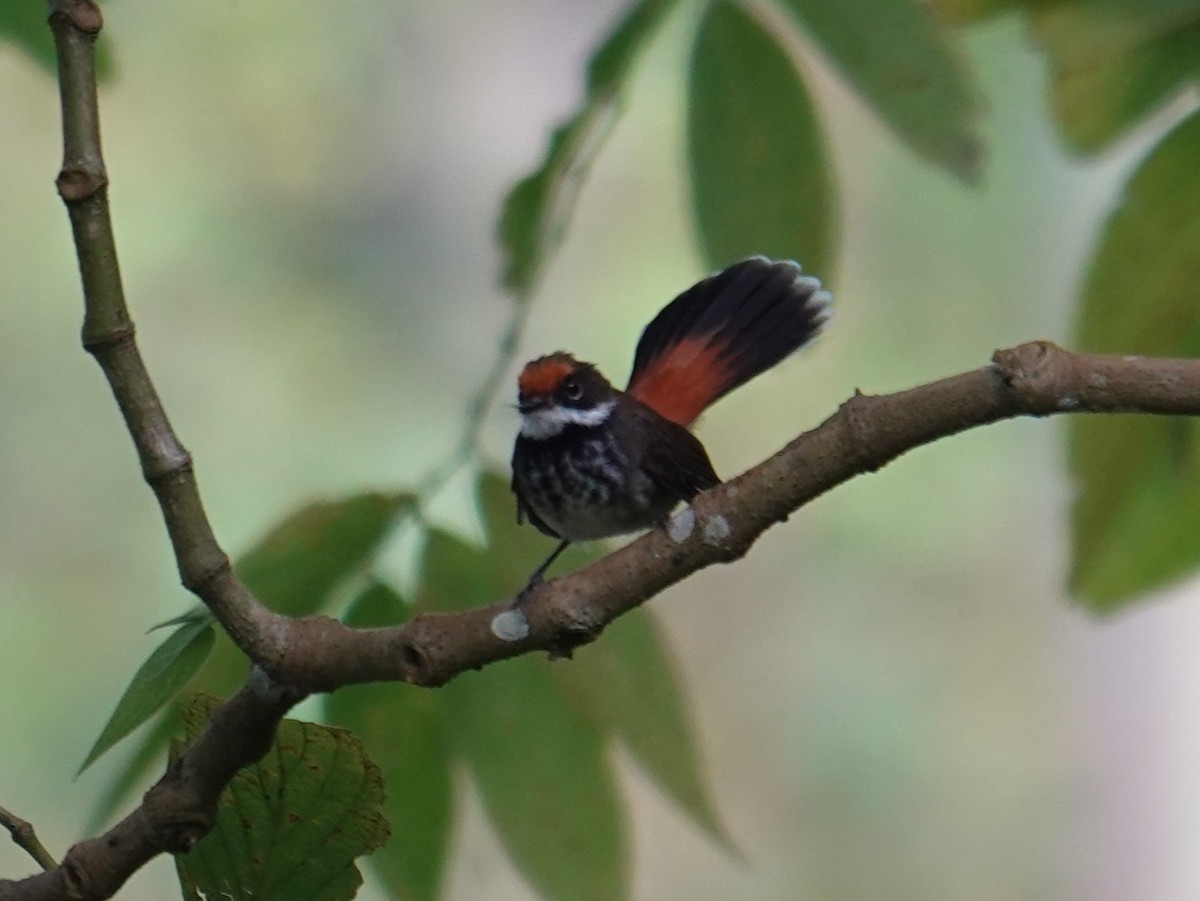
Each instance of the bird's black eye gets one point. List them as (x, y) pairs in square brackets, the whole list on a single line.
[(572, 390)]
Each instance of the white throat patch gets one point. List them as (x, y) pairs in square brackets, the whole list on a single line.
[(550, 421)]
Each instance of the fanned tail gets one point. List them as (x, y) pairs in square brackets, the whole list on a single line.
[(722, 332)]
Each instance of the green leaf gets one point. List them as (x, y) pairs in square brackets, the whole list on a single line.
[(1138, 507), (299, 563), (291, 825), (544, 777), (628, 680), (165, 671), (538, 759), (23, 22), (973, 10), (135, 774), (453, 575), (402, 727), (897, 57), (1114, 62), (536, 211), (294, 569), (760, 179), (625, 680)]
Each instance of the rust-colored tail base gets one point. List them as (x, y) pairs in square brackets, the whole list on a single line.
[(724, 331)]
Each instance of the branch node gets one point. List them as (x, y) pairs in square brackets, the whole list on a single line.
[(174, 462), (856, 412), (76, 184), (1035, 373), (198, 584), (113, 337), (574, 626), (1023, 364), (84, 15)]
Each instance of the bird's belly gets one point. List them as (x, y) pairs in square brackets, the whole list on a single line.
[(587, 491)]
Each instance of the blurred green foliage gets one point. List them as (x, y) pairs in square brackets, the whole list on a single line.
[(1138, 509), (536, 738)]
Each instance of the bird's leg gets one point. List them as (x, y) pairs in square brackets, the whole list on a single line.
[(539, 574)]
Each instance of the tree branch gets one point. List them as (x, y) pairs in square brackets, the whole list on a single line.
[(24, 837), (319, 654), (108, 334), (178, 811), (867, 432)]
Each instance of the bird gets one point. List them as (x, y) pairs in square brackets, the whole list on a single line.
[(591, 461)]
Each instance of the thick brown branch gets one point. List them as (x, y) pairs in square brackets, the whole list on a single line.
[(867, 432)]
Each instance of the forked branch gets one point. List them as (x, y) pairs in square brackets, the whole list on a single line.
[(319, 654)]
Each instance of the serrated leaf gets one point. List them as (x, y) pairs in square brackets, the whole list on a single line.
[(1138, 508), (900, 61), (539, 760), (536, 211), (1113, 62), (297, 565), (401, 726), (292, 825), (760, 178), (165, 671)]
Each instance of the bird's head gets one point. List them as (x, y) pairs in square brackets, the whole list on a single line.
[(557, 391)]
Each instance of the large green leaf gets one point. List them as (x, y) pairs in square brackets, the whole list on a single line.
[(1114, 61), (166, 670), (898, 58), (296, 566), (292, 825), (401, 726), (538, 208), (539, 759), (626, 680), (545, 779), (1138, 511), (760, 179)]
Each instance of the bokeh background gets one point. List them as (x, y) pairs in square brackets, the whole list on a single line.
[(895, 697)]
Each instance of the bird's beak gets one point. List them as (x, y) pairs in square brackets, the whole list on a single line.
[(531, 403)]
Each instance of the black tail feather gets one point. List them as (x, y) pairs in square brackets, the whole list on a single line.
[(756, 312)]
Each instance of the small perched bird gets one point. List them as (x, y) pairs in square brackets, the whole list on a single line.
[(591, 461)]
